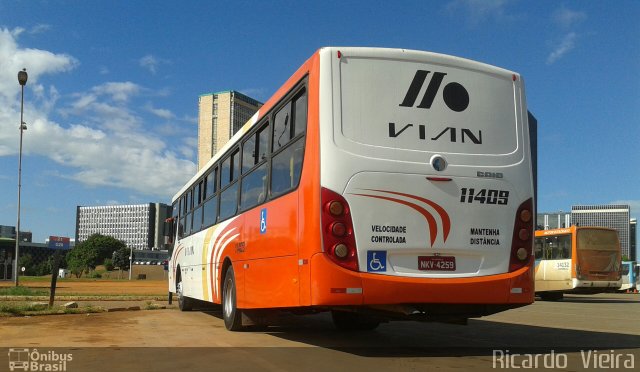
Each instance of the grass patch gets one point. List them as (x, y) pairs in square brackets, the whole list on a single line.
[(8, 310), (153, 306), (23, 291), (20, 309), (86, 297)]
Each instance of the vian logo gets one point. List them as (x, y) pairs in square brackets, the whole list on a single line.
[(455, 96)]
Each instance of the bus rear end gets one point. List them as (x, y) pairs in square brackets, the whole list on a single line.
[(598, 263), (427, 192)]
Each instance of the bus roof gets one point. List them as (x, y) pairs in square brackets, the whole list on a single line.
[(570, 230)]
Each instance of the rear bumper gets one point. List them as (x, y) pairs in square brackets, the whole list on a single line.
[(587, 285), (332, 285)]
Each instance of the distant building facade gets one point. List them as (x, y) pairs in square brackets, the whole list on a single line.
[(220, 116), (10, 233), (140, 226), (614, 216), (553, 220)]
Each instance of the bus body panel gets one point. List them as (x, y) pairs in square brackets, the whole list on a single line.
[(267, 260), (419, 217), (553, 275), (335, 286)]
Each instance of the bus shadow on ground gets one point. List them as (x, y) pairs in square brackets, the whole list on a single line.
[(414, 339), (600, 300)]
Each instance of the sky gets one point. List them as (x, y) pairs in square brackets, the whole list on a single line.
[(111, 103)]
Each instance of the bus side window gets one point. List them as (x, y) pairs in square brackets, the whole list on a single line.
[(254, 180), (300, 113), (538, 249), (229, 202), (282, 127), (286, 168), (183, 219), (210, 208), (197, 220), (229, 196)]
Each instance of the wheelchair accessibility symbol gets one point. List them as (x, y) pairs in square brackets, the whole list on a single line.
[(263, 221), (376, 261)]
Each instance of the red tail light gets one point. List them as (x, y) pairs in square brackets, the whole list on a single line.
[(337, 230), (522, 241)]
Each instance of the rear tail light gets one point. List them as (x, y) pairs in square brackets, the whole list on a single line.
[(579, 273), (522, 242), (337, 230)]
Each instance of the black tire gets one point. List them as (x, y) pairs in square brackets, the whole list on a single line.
[(348, 321), (230, 313), (184, 303)]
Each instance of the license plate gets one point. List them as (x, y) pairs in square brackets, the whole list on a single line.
[(436, 263)]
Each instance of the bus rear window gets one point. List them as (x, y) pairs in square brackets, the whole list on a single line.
[(420, 106), (601, 240)]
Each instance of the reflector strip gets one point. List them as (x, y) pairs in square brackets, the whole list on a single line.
[(347, 290)]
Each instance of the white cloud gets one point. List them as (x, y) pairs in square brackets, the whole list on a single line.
[(566, 44), (149, 62), (478, 11), (103, 143), (566, 17), (117, 91), (40, 28), (152, 63), (255, 93), (161, 113), (37, 62)]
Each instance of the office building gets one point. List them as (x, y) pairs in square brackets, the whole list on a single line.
[(613, 216), (220, 115), (140, 226), (9, 232), (553, 220)]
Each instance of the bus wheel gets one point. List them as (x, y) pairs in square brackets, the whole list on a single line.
[(551, 296), (348, 321), (230, 312), (184, 303)]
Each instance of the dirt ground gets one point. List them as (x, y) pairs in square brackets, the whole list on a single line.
[(170, 340), (100, 287)]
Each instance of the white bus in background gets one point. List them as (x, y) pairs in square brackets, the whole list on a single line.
[(576, 260), (378, 184)]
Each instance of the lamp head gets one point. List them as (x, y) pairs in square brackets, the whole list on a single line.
[(22, 77)]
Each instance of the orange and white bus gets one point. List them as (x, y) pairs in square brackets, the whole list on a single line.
[(576, 260), (376, 183)]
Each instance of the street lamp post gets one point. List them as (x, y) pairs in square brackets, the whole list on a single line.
[(22, 80)]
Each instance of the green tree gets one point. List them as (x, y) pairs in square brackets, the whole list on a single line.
[(26, 261), (121, 258), (90, 253), (108, 264)]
